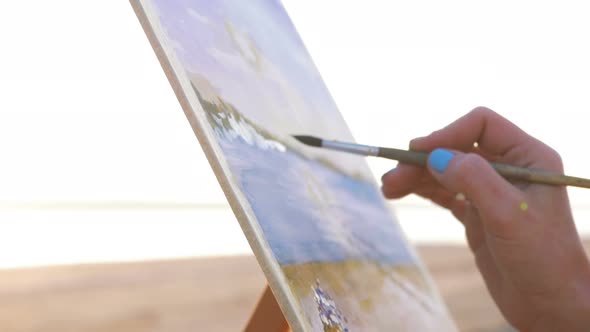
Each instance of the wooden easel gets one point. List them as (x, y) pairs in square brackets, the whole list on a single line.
[(267, 316)]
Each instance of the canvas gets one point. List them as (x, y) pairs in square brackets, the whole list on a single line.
[(331, 250)]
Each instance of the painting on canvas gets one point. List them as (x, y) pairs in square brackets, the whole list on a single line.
[(316, 220)]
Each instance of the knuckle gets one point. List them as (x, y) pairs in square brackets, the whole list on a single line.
[(483, 111), (553, 159)]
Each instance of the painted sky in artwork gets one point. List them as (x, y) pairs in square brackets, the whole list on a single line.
[(250, 52), (204, 44)]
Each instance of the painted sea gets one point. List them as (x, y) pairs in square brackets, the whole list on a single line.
[(312, 213), (322, 215), (338, 244)]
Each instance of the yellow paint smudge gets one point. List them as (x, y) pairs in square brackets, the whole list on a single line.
[(367, 304)]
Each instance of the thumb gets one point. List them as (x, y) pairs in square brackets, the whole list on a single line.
[(498, 202)]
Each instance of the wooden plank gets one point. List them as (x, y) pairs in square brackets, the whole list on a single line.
[(201, 294), (207, 294)]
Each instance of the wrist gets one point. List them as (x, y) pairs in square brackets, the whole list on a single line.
[(571, 309), (578, 314)]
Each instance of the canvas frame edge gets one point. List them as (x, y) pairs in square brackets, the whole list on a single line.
[(191, 106)]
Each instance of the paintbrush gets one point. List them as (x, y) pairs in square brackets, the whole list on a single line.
[(420, 159)]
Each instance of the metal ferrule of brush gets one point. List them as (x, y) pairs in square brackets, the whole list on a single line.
[(364, 150)]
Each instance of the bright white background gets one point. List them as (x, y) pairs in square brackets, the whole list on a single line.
[(98, 163)]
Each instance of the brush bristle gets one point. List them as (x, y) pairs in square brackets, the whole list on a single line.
[(309, 140)]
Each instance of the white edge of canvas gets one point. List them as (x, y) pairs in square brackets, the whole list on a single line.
[(194, 112)]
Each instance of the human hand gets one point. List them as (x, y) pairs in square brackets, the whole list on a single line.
[(522, 235)]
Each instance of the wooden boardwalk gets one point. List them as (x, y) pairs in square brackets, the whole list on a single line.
[(209, 294)]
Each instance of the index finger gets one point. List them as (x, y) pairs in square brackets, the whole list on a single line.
[(493, 134)]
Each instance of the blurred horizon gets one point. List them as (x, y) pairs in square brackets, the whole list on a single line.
[(99, 163)]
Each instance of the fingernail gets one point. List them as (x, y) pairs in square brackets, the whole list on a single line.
[(439, 159)]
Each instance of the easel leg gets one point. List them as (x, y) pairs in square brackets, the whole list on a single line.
[(267, 316)]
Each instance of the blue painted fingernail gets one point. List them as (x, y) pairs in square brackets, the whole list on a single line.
[(439, 159)]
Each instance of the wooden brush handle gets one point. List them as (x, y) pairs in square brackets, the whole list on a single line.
[(507, 171), (403, 156), (539, 176)]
